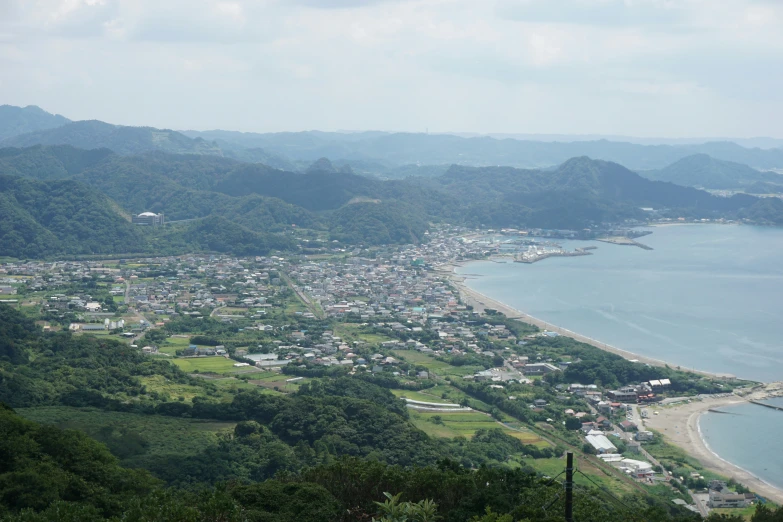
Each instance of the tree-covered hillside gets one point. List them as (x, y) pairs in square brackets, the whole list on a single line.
[(335, 203), (701, 170), (93, 134), (21, 120), (47, 218)]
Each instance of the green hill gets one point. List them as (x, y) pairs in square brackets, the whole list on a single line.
[(701, 170), (21, 120), (61, 217), (93, 134)]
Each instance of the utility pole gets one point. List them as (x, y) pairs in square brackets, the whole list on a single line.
[(569, 488)]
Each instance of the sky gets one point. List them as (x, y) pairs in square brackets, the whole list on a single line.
[(671, 68)]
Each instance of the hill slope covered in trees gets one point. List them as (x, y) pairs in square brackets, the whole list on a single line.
[(21, 120), (701, 170)]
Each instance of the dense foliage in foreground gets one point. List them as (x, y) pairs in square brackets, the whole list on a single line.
[(330, 451)]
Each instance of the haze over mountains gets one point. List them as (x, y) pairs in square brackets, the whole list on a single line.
[(246, 193)]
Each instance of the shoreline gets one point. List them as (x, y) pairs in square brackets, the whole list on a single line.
[(690, 439), (680, 425), (481, 301)]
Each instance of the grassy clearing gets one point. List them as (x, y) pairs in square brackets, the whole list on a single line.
[(422, 395), (171, 390), (746, 513), (172, 344), (161, 435), (213, 364), (465, 424), (272, 380), (552, 467), (353, 332)]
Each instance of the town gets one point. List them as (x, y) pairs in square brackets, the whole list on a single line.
[(393, 315)]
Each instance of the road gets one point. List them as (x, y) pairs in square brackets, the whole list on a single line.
[(316, 311)]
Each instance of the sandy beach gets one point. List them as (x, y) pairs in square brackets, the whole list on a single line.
[(480, 301), (680, 426)]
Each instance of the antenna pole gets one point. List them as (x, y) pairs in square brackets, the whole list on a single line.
[(569, 488)]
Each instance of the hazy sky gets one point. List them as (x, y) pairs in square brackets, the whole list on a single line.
[(674, 68)]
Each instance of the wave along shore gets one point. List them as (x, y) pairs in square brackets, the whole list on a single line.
[(680, 424)]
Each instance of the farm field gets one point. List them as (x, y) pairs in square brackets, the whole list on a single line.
[(439, 368), (465, 424), (272, 380), (552, 467), (172, 344), (170, 389), (353, 332), (133, 435), (213, 364), (422, 395)]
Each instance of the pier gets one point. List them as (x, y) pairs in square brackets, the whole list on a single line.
[(766, 405), (533, 257), (622, 240)]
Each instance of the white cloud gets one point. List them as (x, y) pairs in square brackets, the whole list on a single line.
[(642, 67)]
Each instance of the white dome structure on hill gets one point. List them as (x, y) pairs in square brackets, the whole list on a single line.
[(148, 218)]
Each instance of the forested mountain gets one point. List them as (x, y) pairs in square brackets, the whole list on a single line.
[(21, 120), (93, 134), (47, 218), (701, 170), (579, 192), (256, 202)]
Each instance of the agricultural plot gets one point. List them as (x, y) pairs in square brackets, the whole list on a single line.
[(172, 344), (131, 435), (465, 424), (214, 364), (277, 381), (171, 390), (353, 332), (422, 395), (605, 479), (439, 368)]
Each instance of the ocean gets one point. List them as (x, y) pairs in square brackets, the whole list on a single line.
[(707, 297), (748, 438)]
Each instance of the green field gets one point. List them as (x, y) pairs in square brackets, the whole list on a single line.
[(353, 332), (439, 368), (606, 480), (465, 424), (214, 364), (151, 435), (422, 395), (172, 344), (272, 380)]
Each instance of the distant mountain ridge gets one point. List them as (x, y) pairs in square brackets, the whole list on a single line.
[(701, 170), (370, 152), (21, 120), (397, 149), (94, 134)]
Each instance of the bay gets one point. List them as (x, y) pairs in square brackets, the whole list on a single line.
[(749, 438), (708, 297)]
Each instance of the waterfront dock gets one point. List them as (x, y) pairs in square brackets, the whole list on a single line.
[(766, 405), (622, 240), (532, 257)]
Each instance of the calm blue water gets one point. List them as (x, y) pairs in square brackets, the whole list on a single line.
[(708, 296), (750, 439)]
